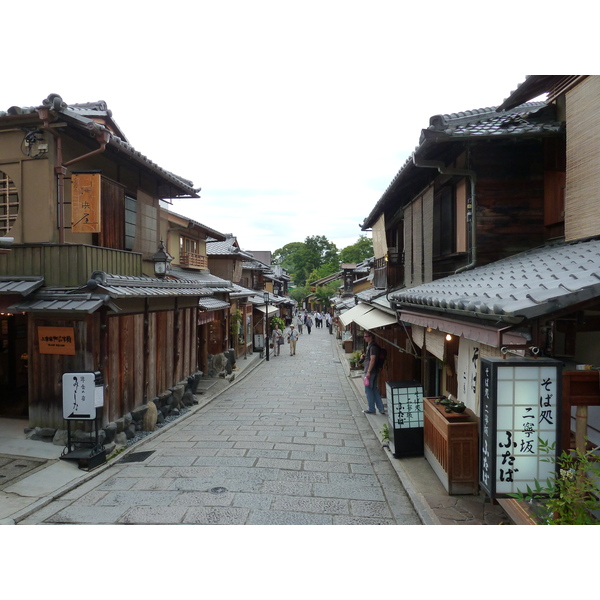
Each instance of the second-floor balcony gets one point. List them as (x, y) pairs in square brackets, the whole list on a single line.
[(193, 260)]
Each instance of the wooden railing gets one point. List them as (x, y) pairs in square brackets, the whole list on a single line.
[(193, 260)]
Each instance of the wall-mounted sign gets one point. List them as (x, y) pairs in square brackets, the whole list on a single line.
[(520, 404), (85, 203), (82, 394), (56, 340)]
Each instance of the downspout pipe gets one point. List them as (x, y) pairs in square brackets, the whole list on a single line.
[(471, 206)]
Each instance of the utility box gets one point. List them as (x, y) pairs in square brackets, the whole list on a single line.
[(405, 414)]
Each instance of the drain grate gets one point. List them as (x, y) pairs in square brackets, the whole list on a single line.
[(135, 457)]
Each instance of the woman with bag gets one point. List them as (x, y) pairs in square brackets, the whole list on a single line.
[(277, 339)]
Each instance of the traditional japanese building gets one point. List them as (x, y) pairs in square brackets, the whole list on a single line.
[(84, 287)]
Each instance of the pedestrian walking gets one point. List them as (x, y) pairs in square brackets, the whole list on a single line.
[(309, 323), (371, 375), (277, 339), (300, 323), (292, 339)]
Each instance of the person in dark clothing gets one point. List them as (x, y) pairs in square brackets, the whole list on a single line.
[(371, 374)]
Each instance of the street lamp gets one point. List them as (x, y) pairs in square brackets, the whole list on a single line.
[(161, 260), (266, 299)]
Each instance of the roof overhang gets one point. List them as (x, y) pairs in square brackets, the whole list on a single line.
[(211, 303), (490, 336), (22, 286)]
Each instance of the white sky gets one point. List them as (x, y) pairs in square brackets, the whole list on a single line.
[(293, 117)]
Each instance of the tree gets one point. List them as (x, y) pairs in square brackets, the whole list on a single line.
[(357, 252), (301, 258)]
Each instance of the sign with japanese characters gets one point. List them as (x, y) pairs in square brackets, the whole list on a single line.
[(81, 396), (85, 203), (520, 404), (56, 340), (405, 404)]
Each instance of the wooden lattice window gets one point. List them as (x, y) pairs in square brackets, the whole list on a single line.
[(9, 203)]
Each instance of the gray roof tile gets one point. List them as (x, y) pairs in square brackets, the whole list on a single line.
[(529, 284)]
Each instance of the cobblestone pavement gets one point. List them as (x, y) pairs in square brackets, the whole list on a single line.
[(289, 445)]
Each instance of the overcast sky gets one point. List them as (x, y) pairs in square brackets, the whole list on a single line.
[(293, 117)]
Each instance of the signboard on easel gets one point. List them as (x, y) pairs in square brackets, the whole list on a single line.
[(81, 396)]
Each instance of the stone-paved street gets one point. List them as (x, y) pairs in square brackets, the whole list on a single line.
[(287, 445)]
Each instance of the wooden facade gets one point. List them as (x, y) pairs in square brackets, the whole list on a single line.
[(143, 338), (140, 355)]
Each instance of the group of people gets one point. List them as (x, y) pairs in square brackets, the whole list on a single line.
[(295, 329), (279, 338)]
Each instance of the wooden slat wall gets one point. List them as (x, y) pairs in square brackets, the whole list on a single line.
[(113, 216), (46, 370), (510, 200), (131, 357), (582, 217), (408, 253)]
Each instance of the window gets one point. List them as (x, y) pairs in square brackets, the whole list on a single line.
[(9, 203), (130, 221), (444, 222)]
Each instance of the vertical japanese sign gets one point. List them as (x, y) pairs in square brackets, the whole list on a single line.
[(520, 404), (407, 405), (79, 396), (85, 203)]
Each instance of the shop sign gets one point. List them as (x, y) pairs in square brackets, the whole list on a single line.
[(82, 394), (85, 203), (520, 404), (56, 340)]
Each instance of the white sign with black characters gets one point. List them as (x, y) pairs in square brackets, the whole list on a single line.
[(79, 396), (520, 405), (406, 405)]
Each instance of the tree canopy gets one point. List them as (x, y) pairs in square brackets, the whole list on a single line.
[(317, 257)]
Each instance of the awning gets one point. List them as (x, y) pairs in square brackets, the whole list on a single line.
[(212, 304), (375, 318), (477, 333), (273, 312), (350, 315)]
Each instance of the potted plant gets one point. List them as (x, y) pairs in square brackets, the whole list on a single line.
[(355, 359)]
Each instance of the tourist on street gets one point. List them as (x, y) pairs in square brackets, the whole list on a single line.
[(277, 339), (371, 374), (309, 323), (300, 323), (292, 339)]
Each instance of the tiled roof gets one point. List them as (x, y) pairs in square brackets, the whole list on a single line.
[(529, 118), (61, 302), (22, 285), (533, 283), (226, 248), (212, 304), (204, 279), (86, 117), (121, 286), (532, 118)]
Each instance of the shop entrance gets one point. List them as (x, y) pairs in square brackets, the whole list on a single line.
[(14, 363)]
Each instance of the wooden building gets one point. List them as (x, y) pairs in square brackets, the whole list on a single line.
[(487, 244), (79, 286)]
